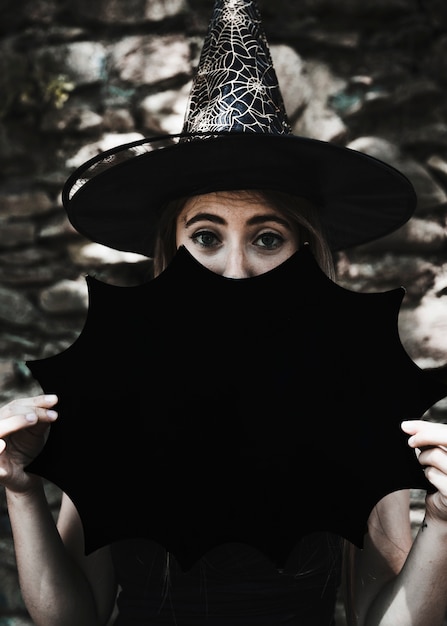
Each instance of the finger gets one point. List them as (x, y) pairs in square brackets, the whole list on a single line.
[(434, 457), (412, 426), (26, 412), (19, 422), (437, 478), (28, 405), (45, 401), (425, 433)]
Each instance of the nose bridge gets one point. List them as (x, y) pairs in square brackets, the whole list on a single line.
[(237, 264)]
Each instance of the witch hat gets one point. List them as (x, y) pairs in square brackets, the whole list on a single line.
[(235, 136)]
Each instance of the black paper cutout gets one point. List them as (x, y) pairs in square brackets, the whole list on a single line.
[(197, 409)]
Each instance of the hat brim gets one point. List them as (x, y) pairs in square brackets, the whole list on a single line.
[(117, 197)]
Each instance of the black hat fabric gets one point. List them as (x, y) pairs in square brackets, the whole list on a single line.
[(236, 135)]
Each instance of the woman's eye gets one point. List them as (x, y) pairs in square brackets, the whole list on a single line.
[(271, 241), (205, 238)]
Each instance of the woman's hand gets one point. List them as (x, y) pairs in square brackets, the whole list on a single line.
[(429, 440), (24, 425)]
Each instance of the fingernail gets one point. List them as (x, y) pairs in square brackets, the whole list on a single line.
[(52, 414), (51, 397), (31, 417)]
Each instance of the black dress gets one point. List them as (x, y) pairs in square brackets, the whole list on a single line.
[(232, 585)]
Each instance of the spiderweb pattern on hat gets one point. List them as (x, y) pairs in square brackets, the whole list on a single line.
[(236, 87)]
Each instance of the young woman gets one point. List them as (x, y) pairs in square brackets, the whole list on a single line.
[(151, 197), (392, 581)]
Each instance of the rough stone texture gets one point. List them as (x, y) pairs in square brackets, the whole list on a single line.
[(79, 77)]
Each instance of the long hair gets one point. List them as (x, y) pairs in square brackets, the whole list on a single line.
[(348, 583), (300, 212)]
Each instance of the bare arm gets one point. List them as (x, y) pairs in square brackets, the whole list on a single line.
[(398, 582), (60, 586)]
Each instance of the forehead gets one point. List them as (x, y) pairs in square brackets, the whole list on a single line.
[(233, 203)]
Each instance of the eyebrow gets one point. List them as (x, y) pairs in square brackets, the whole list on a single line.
[(253, 221)]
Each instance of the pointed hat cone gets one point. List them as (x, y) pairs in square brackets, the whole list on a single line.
[(235, 87), (235, 136)]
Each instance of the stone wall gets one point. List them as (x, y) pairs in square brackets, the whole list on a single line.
[(78, 77)]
